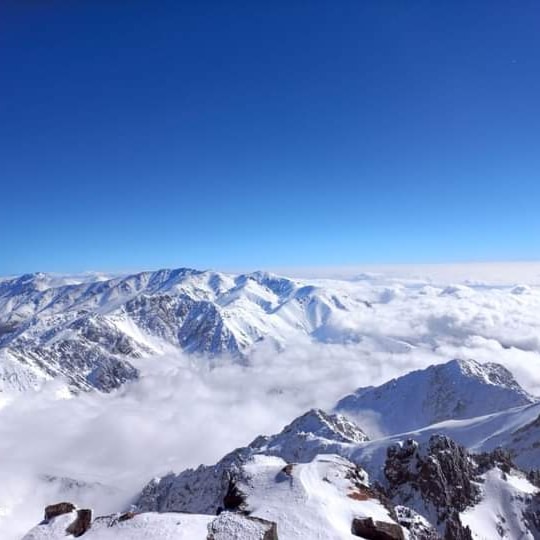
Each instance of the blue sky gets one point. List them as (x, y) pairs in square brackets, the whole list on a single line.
[(267, 134)]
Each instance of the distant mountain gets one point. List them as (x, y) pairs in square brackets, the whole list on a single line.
[(455, 390), (88, 330)]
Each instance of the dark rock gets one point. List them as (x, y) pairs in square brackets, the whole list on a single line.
[(54, 510), (234, 499), (126, 516), (441, 471), (287, 470), (532, 515), (455, 530), (497, 458), (376, 530), (81, 524)]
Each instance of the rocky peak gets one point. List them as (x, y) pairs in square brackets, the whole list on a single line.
[(436, 478), (313, 433), (318, 423)]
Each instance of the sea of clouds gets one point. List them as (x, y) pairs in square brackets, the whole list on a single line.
[(100, 449)]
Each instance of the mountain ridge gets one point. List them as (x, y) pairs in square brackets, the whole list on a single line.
[(49, 328), (457, 389)]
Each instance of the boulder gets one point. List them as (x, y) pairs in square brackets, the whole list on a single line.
[(370, 529), (81, 524), (54, 510), (230, 525)]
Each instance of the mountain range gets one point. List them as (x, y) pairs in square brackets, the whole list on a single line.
[(90, 331)]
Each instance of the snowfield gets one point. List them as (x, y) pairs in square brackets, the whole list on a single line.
[(109, 381)]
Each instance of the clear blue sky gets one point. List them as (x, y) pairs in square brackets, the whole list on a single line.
[(267, 133)]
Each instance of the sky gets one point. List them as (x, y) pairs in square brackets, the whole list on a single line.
[(267, 133)]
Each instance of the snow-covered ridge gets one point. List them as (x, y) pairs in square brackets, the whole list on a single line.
[(458, 389), (431, 486)]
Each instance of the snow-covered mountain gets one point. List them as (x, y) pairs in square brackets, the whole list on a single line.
[(455, 390), (448, 452), (322, 477), (433, 488), (309, 435), (516, 430), (89, 331)]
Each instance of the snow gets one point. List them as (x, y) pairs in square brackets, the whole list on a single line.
[(412, 320), (479, 434), (142, 527), (501, 497), (454, 390), (312, 502)]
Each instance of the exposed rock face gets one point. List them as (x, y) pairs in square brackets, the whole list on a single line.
[(54, 510), (438, 479), (498, 458), (532, 516), (455, 530), (376, 530), (441, 472), (81, 524), (234, 499), (230, 525), (417, 526)]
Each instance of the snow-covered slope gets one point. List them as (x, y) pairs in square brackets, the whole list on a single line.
[(320, 477), (455, 390), (90, 331), (430, 480), (141, 527), (327, 498), (301, 441), (505, 509), (319, 499), (516, 430)]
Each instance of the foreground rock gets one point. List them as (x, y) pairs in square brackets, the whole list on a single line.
[(131, 526), (231, 525)]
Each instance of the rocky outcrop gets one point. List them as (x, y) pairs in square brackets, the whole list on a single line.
[(417, 526), (370, 529), (58, 509), (440, 472), (82, 523)]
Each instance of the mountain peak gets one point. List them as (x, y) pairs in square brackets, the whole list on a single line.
[(457, 389), (335, 427)]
